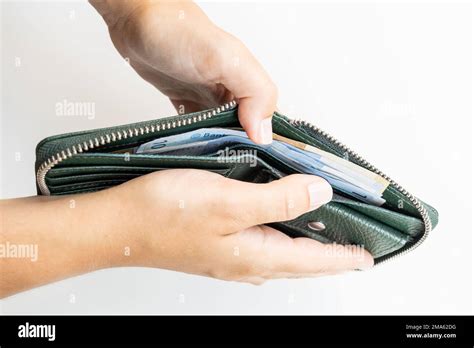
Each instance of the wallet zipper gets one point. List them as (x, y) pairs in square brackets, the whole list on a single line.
[(118, 135), (415, 201)]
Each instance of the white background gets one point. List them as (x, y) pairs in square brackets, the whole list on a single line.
[(394, 81)]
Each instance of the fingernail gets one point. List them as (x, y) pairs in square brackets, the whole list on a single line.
[(320, 193), (266, 131), (366, 264)]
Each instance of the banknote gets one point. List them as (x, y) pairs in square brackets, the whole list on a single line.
[(345, 177), (186, 142), (364, 173)]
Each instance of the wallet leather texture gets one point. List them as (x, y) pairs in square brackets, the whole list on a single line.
[(86, 161)]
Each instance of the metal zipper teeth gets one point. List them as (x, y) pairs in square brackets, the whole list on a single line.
[(418, 205), (118, 135)]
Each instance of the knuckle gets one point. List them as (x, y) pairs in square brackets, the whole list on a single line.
[(273, 90)]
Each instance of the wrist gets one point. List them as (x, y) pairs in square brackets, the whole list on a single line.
[(90, 229), (119, 228)]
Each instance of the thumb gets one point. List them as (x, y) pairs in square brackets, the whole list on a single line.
[(255, 114), (280, 200)]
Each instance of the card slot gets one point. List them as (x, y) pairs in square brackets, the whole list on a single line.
[(83, 190), (82, 174), (84, 178), (78, 187), (60, 172), (101, 160)]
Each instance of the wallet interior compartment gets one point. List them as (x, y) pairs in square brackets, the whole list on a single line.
[(80, 174), (89, 174)]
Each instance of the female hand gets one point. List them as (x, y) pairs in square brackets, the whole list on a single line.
[(200, 222), (175, 47), (185, 220)]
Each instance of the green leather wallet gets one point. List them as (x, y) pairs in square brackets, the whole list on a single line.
[(90, 160)]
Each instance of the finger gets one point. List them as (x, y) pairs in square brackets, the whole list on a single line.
[(248, 204), (250, 84), (252, 280), (268, 253), (325, 259), (255, 115)]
